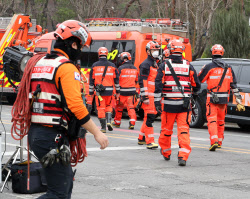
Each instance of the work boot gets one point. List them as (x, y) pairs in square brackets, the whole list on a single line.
[(181, 162), (131, 126), (103, 125), (115, 125), (165, 158), (219, 146), (109, 125), (141, 142), (152, 146), (213, 146)]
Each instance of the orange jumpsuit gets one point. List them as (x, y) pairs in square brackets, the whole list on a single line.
[(212, 73), (148, 72), (173, 104), (110, 80), (128, 77)]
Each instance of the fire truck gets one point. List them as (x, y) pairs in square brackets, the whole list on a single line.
[(19, 30), (122, 34)]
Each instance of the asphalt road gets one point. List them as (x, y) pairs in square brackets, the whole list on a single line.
[(126, 170)]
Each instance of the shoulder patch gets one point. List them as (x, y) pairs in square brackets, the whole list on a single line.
[(77, 76)]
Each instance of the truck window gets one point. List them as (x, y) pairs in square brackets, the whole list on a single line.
[(89, 55)]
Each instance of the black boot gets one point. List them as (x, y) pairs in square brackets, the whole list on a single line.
[(103, 125), (109, 125)]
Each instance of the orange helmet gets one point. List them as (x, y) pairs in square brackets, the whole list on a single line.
[(166, 53), (125, 55), (152, 45), (176, 46), (217, 49), (102, 51), (73, 28)]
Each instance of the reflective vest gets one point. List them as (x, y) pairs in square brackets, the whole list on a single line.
[(47, 108), (170, 88)]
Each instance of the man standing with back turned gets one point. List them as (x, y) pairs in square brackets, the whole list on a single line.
[(173, 82), (220, 78)]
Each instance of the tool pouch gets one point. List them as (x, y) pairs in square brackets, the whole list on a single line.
[(186, 103)]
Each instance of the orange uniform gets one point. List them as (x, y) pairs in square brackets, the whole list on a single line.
[(128, 77), (110, 80), (216, 112), (173, 109), (148, 72)]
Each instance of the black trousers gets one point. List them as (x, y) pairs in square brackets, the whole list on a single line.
[(59, 177)]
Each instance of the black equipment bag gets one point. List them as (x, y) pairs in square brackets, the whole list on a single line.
[(19, 174)]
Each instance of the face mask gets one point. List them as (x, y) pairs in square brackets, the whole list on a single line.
[(74, 54), (155, 54)]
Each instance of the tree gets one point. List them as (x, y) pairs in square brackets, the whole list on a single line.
[(231, 30)]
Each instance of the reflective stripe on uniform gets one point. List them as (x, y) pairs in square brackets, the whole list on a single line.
[(109, 89), (173, 102), (214, 137), (142, 134), (151, 83), (145, 88), (214, 77), (157, 94), (48, 96), (157, 99), (165, 150), (220, 139), (144, 93), (128, 89), (150, 135), (132, 120), (219, 95), (175, 95), (109, 73), (184, 150), (46, 119), (173, 82), (128, 76)]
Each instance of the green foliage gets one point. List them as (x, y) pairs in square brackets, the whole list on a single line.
[(231, 30), (65, 11)]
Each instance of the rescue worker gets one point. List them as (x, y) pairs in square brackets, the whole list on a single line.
[(176, 101), (104, 87), (148, 72), (218, 95), (57, 80), (128, 78), (166, 54)]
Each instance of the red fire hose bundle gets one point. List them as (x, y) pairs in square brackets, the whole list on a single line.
[(21, 114)]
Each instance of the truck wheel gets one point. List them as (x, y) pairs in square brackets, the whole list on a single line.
[(244, 126), (197, 120)]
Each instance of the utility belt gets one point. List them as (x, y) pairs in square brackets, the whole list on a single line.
[(218, 98)]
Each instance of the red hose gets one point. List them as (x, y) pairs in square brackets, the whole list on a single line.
[(21, 113)]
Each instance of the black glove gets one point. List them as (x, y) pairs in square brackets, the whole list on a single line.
[(49, 159), (89, 107), (158, 107), (65, 154)]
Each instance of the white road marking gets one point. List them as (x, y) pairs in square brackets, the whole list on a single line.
[(124, 148)]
